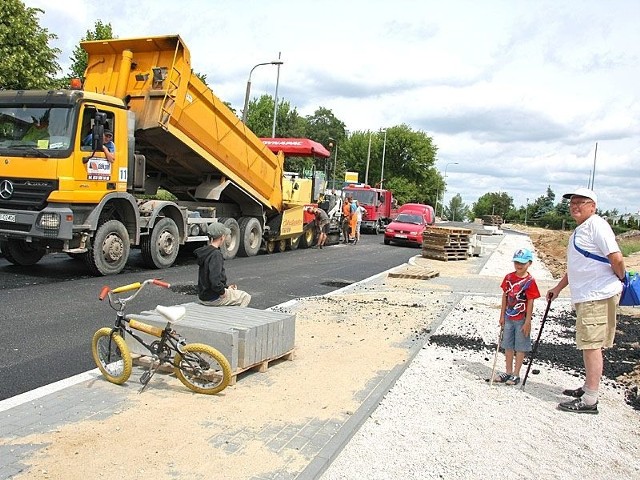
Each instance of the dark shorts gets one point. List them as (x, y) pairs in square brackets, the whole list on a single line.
[(324, 228)]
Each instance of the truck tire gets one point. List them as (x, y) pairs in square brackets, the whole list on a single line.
[(109, 249), (308, 238), (250, 237), (20, 252), (294, 243), (282, 245), (160, 248), (232, 242), (271, 247)]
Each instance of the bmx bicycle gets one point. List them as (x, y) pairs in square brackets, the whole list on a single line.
[(199, 367)]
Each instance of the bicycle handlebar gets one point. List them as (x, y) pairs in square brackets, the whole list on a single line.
[(160, 283), (106, 291)]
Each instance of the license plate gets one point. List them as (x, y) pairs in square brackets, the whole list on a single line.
[(8, 217), (401, 236)]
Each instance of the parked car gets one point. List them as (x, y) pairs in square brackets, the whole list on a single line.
[(421, 209), (407, 228)]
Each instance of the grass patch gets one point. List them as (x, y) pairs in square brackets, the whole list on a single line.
[(629, 246)]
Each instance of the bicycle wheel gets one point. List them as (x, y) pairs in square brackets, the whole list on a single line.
[(112, 355), (202, 368)]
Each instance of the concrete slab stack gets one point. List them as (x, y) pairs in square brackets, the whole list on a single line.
[(247, 337)]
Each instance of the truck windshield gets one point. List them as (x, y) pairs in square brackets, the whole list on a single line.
[(38, 129), (365, 197)]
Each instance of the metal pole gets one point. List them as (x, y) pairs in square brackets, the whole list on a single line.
[(593, 176), (366, 172), (444, 189), (275, 106), (384, 147), (335, 162), (248, 91), (526, 209)]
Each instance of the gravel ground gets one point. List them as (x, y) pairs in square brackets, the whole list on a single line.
[(443, 420)]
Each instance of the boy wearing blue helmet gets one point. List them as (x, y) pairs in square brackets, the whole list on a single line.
[(519, 291)]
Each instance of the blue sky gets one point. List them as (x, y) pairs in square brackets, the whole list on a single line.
[(517, 93)]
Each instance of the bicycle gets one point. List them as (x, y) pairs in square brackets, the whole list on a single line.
[(200, 367)]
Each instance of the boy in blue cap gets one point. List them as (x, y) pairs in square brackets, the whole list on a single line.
[(519, 291)]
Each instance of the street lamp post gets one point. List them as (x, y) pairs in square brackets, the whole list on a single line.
[(526, 209), (444, 188), (246, 96), (275, 106), (384, 147), (366, 172)]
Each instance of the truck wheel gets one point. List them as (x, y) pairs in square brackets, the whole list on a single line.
[(250, 237), (282, 245), (308, 237), (109, 249), (160, 249), (231, 242), (271, 246), (294, 243), (379, 228), (20, 252)]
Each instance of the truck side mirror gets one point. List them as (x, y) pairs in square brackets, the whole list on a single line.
[(96, 137), (97, 132)]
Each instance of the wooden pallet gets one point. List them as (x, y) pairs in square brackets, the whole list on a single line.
[(145, 361), (261, 366), (446, 248), (446, 231), (414, 272), (444, 256)]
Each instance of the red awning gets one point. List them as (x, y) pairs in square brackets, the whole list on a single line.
[(296, 147)]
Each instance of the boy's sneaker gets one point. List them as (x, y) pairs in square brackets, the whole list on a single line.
[(512, 380), (578, 406)]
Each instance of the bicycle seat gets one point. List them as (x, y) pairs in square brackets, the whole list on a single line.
[(173, 314)]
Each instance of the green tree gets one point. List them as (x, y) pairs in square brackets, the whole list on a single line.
[(260, 118), (494, 203), (101, 31), (324, 127), (26, 59), (456, 210), (409, 158)]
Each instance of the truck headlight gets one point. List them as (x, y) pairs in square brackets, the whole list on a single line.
[(49, 221)]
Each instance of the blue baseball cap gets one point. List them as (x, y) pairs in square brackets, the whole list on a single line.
[(523, 255)]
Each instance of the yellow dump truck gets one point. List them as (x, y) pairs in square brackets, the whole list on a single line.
[(80, 168)]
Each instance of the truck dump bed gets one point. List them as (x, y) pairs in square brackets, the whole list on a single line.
[(186, 133)]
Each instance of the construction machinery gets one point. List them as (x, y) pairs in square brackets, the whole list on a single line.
[(181, 160)]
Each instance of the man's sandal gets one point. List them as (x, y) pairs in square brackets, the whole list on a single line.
[(501, 378)]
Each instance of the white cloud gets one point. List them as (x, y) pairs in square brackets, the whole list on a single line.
[(518, 93)]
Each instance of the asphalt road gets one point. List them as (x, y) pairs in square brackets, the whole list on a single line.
[(51, 310)]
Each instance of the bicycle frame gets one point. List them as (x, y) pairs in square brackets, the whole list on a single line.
[(199, 367), (167, 335)]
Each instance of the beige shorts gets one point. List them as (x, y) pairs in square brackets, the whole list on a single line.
[(596, 323)]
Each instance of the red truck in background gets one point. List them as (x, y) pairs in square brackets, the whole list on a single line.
[(380, 205)]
